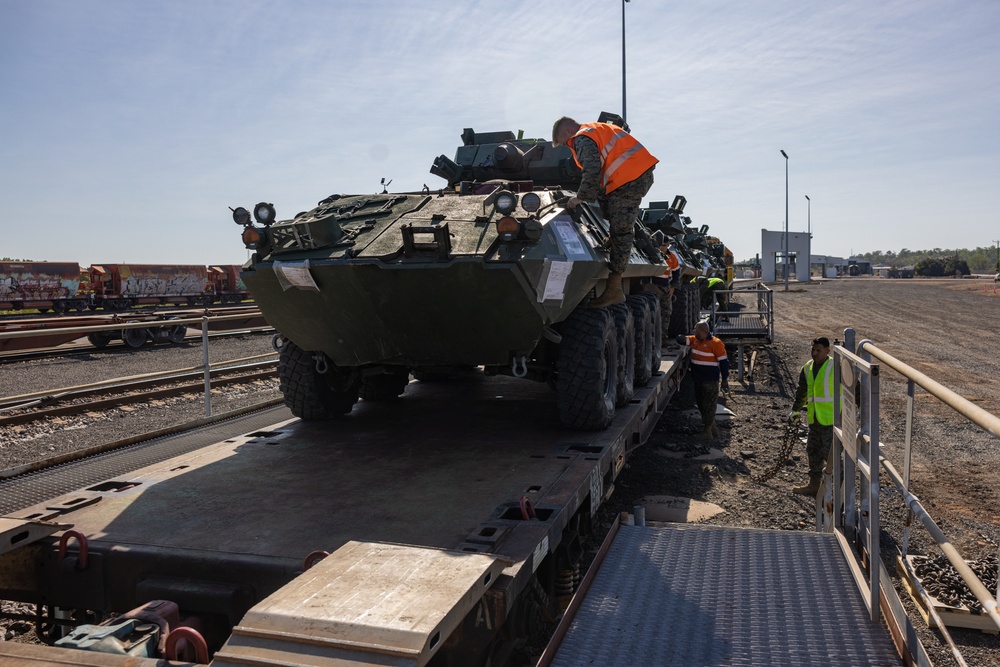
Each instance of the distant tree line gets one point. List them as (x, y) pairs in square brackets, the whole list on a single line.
[(938, 262)]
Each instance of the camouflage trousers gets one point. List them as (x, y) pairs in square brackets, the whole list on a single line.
[(818, 448), (706, 395), (621, 208)]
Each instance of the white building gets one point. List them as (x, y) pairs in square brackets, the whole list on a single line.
[(772, 256)]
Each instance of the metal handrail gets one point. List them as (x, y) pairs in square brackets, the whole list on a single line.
[(963, 406), (977, 415)]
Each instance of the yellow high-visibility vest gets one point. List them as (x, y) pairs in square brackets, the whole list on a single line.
[(819, 392)]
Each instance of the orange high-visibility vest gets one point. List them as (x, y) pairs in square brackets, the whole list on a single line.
[(707, 352), (673, 263), (623, 159)]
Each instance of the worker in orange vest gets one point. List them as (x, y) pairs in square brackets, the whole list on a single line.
[(617, 172), (709, 366)]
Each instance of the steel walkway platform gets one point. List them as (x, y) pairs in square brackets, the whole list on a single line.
[(709, 595)]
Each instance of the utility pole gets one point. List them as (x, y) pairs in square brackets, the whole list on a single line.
[(785, 265), (998, 255), (624, 115)]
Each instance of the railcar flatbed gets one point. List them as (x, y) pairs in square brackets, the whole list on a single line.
[(453, 467)]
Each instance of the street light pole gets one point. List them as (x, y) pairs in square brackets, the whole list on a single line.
[(809, 215), (623, 60), (809, 236), (998, 255), (785, 264)]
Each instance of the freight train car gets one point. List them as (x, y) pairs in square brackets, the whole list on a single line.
[(121, 286), (42, 285), (228, 283)]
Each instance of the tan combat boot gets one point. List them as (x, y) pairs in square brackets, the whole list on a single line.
[(715, 430), (705, 434), (612, 294), (810, 489)]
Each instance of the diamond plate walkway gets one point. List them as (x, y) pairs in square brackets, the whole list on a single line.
[(708, 595)]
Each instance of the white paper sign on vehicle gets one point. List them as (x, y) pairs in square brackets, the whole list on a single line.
[(295, 274)]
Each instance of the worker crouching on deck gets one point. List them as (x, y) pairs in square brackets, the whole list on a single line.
[(709, 366), (815, 391)]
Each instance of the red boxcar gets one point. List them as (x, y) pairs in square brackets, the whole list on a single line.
[(120, 286), (228, 284)]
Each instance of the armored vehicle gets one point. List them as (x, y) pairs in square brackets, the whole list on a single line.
[(698, 254), (490, 271)]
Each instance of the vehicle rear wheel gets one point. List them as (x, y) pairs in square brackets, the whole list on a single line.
[(656, 321), (643, 338), (386, 386), (312, 395), (588, 359), (625, 334), (679, 314), (694, 306)]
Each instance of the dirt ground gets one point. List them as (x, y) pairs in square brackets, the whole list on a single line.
[(945, 329)]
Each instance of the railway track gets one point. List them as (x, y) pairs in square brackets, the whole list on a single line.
[(123, 391), (134, 330)]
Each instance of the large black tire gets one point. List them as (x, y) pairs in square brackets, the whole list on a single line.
[(694, 304), (643, 338), (312, 395), (587, 379), (657, 321), (625, 334), (384, 387), (680, 314)]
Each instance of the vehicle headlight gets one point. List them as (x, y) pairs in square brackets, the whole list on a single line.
[(241, 216), (531, 202), (264, 213), (254, 238), (508, 228), (506, 202)]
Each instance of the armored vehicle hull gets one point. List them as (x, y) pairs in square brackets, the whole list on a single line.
[(367, 289)]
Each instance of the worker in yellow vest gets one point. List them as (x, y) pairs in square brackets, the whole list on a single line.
[(815, 394), (617, 172)]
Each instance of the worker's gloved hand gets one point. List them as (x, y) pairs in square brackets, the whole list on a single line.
[(681, 339), (725, 384), (793, 417)]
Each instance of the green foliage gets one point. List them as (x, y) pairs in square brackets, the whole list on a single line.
[(977, 260)]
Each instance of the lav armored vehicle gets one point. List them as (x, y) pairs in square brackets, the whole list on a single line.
[(489, 271)]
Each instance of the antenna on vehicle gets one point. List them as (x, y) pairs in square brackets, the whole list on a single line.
[(385, 186)]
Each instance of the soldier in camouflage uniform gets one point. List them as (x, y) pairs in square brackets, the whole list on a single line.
[(621, 205)]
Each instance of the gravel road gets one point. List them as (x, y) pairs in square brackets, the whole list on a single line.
[(944, 328)]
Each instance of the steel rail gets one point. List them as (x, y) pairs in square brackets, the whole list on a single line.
[(981, 418), (22, 398), (139, 396), (188, 321), (113, 347)]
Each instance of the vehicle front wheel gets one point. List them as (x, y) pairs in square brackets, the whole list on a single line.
[(587, 369), (310, 394)]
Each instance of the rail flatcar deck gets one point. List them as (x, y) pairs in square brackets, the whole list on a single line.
[(474, 466)]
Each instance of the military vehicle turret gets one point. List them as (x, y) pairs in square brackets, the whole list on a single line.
[(490, 271)]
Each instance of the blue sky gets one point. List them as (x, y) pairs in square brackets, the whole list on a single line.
[(130, 127)]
